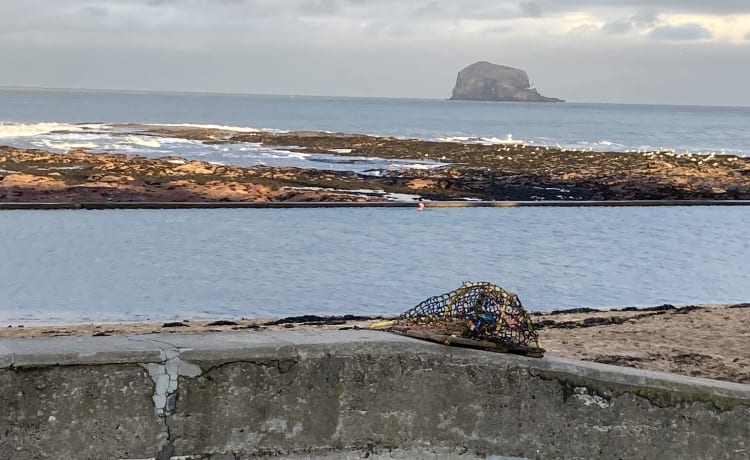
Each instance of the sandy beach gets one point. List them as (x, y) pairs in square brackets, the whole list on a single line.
[(709, 341)]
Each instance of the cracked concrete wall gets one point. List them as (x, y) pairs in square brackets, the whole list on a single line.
[(165, 376), (332, 395)]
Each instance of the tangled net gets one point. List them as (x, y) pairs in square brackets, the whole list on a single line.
[(485, 315)]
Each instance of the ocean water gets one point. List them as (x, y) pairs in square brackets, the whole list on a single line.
[(100, 121), (71, 266), (95, 266)]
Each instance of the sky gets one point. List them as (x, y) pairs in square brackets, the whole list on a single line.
[(620, 51)]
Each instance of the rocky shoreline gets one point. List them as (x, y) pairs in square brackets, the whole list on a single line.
[(478, 171)]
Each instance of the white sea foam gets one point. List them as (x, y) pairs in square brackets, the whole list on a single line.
[(125, 148), (285, 154), (61, 145), (481, 140), (11, 129), (239, 129), (143, 142), (420, 165), (250, 146), (595, 145), (93, 126), (178, 140)]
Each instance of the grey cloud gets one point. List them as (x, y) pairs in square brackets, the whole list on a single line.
[(162, 2), (451, 11), (382, 29), (428, 9), (617, 27), (681, 6), (444, 10), (530, 9), (96, 11), (642, 11), (700, 6), (584, 29), (502, 29), (685, 32), (231, 15), (320, 7), (645, 17)]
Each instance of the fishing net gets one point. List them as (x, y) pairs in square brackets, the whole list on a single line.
[(477, 314)]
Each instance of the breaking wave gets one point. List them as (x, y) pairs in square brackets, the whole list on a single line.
[(147, 140), (238, 129), (13, 130), (481, 140)]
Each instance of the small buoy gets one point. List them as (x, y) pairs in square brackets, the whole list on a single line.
[(420, 206)]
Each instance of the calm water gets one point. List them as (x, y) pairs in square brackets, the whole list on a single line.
[(66, 266)]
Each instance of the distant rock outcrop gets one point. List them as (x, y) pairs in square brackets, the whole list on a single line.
[(484, 81)]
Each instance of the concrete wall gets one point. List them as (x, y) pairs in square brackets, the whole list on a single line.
[(347, 394)]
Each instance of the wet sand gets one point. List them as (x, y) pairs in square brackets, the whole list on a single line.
[(710, 341)]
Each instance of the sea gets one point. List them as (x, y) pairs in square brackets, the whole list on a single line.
[(69, 266)]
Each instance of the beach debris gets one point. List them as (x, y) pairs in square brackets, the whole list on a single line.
[(476, 315), (318, 320), (175, 324), (222, 322), (106, 333)]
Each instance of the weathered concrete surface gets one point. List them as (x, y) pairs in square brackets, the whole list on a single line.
[(347, 394), (84, 412)]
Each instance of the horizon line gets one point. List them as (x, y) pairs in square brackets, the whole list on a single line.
[(318, 96)]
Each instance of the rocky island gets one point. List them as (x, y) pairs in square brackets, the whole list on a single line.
[(484, 81), (468, 170)]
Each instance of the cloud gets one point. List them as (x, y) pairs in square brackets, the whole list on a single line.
[(645, 17), (319, 7), (699, 6), (261, 45), (684, 32), (430, 9), (530, 9), (346, 16), (617, 27), (722, 7)]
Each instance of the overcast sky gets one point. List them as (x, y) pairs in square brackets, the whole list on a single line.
[(634, 51)]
